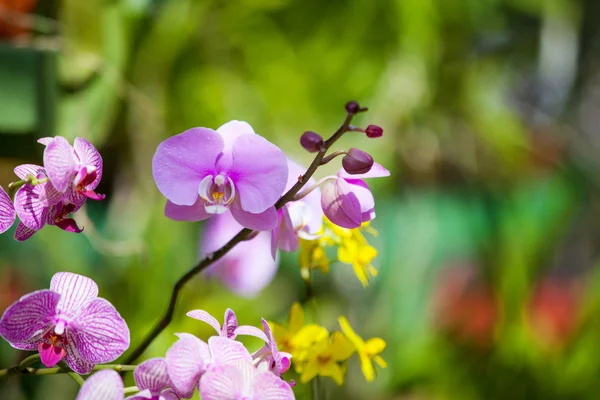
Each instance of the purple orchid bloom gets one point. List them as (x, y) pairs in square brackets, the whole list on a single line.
[(301, 218), (348, 201), (247, 268), (7, 211), (68, 321), (203, 172), (241, 381), (269, 357), (189, 358), (74, 170), (103, 385), (152, 379)]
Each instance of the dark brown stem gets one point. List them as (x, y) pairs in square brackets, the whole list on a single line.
[(241, 236)]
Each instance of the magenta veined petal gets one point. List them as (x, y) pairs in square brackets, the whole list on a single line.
[(59, 162), (30, 209), (192, 213), (251, 331), (152, 375), (76, 292), (89, 155), (204, 316), (226, 382), (340, 205), (7, 211), (98, 335), (182, 161), (186, 360), (226, 351), (272, 387), (259, 171), (25, 321), (23, 233), (24, 171), (103, 385), (50, 355), (229, 324)]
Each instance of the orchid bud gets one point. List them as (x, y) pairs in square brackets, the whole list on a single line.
[(311, 141), (374, 131), (357, 162), (352, 107)]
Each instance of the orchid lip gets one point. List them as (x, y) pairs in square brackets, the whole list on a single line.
[(218, 193)]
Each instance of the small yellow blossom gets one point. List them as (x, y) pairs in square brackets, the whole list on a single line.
[(325, 358), (312, 255), (367, 351)]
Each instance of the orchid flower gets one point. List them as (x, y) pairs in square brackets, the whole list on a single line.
[(348, 201), (241, 381), (301, 218), (68, 321), (203, 172), (269, 357), (248, 268), (152, 379), (74, 170), (103, 385), (189, 358), (7, 211)]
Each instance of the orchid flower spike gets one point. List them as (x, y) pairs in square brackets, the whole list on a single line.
[(203, 172), (68, 321), (348, 201)]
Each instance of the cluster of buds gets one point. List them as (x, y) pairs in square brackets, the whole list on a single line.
[(49, 194)]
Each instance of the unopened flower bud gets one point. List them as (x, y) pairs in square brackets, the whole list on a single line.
[(374, 131), (357, 162), (311, 141), (352, 107)]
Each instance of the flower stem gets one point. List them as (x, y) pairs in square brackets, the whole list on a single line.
[(77, 378), (309, 189), (240, 237), (25, 370), (131, 389), (29, 361)]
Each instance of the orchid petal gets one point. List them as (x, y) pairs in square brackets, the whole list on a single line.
[(287, 238), (25, 321), (89, 155), (231, 130), (31, 211), (103, 385), (152, 374), (205, 317), (251, 331), (69, 225), (24, 171), (23, 233), (226, 351), (229, 324), (143, 395), (365, 198), (340, 205), (376, 171), (98, 335), (45, 140), (259, 171), (182, 161), (264, 221), (50, 355), (76, 292), (191, 213), (7, 211), (222, 383), (59, 163), (271, 387), (185, 363)]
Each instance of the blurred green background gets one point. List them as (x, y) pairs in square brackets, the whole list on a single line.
[(488, 286)]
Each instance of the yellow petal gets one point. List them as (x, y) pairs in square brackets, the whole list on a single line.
[(296, 319), (350, 334), (361, 274), (333, 370), (366, 366), (308, 335), (380, 361), (341, 347), (310, 370), (374, 346)]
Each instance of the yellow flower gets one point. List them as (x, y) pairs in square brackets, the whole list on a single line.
[(312, 255), (360, 254), (325, 358), (297, 338), (367, 351)]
